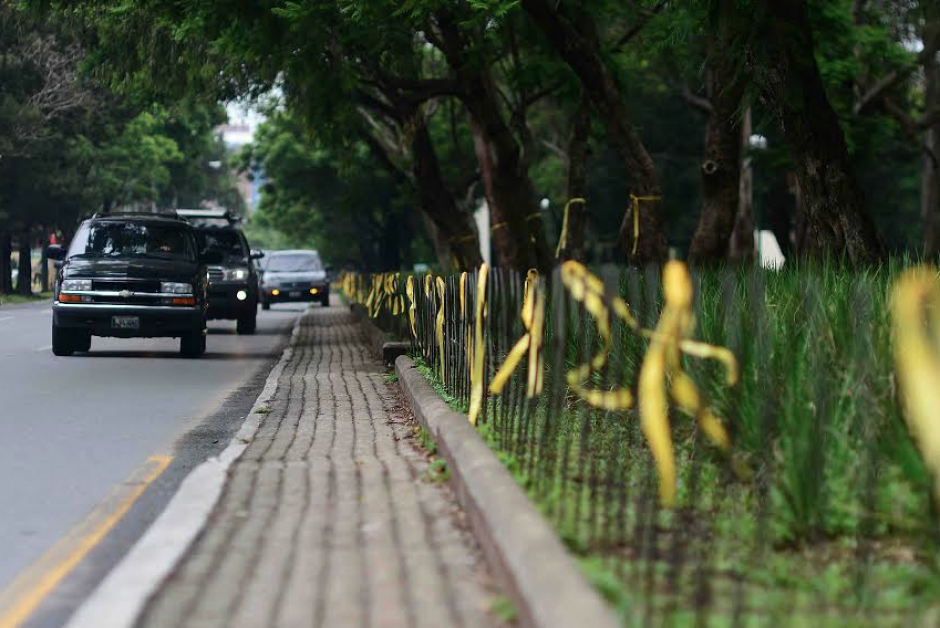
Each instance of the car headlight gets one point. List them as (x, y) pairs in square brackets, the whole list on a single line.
[(76, 285), (234, 273), (172, 287)]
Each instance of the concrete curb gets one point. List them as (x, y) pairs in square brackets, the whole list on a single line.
[(120, 598), (523, 550)]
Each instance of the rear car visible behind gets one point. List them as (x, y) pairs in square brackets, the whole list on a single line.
[(290, 276)]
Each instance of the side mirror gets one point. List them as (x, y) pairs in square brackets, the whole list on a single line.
[(256, 254), (55, 252), (211, 256)]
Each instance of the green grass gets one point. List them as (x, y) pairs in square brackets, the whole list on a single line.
[(12, 299)]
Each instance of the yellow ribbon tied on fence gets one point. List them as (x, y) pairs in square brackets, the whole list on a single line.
[(563, 238), (375, 297), (477, 357), (412, 305), (635, 202), (915, 310), (663, 363), (439, 328), (588, 289), (533, 319)]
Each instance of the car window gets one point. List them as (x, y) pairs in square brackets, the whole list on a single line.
[(133, 239), (293, 263), (225, 241)]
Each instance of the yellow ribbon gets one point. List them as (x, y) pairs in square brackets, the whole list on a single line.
[(440, 325), (588, 290), (477, 356), (915, 316), (563, 238), (635, 200), (663, 363), (533, 318), (413, 306)]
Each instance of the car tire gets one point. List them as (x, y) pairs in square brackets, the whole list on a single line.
[(247, 323), (325, 301), (193, 345), (63, 341), (82, 342), (265, 305)]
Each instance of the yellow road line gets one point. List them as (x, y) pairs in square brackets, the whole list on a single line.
[(26, 593)]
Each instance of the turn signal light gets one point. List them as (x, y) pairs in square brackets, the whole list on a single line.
[(70, 298), (275, 292), (313, 291), (184, 301)]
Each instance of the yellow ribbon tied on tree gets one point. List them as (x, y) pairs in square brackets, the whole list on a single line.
[(563, 238), (635, 203), (915, 315), (477, 356), (663, 363), (533, 319)]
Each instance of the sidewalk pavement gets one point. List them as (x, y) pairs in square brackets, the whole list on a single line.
[(330, 517)]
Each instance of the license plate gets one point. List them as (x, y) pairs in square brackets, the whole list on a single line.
[(294, 294), (125, 322)]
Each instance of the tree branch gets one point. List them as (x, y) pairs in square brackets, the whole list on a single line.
[(699, 103), (646, 16), (890, 79)]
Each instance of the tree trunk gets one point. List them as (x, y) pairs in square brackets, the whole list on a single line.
[(517, 231), (930, 163), (6, 265), (25, 278), (742, 238), (721, 169), (789, 80), (577, 43), (455, 227), (43, 261), (454, 235), (571, 240)]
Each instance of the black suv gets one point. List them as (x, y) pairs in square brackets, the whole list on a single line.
[(233, 283), (131, 276)]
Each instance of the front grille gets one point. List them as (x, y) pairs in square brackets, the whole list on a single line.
[(295, 285), (215, 274), (127, 301), (106, 285)]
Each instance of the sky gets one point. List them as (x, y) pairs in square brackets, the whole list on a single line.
[(240, 113)]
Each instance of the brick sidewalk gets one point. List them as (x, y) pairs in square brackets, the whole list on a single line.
[(329, 518)]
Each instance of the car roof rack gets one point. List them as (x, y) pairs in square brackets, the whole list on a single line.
[(202, 215), (140, 213)]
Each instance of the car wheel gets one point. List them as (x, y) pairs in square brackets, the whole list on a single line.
[(82, 342), (325, 301), (63, 341), (265, 305), (247, 322), (193, 345)]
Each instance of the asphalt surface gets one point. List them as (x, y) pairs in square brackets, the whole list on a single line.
[(73, 428)]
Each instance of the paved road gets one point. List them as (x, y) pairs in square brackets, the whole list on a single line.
[(71, 429)]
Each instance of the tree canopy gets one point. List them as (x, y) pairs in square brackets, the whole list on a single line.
[(684, 124)]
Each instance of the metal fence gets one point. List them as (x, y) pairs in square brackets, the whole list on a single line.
[(719, 448)]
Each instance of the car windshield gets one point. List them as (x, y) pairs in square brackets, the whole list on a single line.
[(225, 241), (133, 239), (293, 263)]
